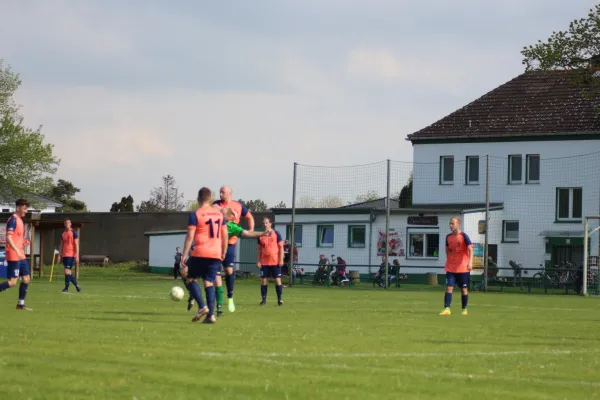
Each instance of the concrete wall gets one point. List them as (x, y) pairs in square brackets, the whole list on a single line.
[(120, 236)]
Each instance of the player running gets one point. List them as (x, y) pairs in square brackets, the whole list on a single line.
[(270, 260), (69, 251), (459, 263), (240, 211), (15, 254), (208, 232)]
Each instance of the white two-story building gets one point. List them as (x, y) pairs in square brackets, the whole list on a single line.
[(542, 140)]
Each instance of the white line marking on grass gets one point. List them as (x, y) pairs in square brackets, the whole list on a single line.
[(406, 355), (446, 374)]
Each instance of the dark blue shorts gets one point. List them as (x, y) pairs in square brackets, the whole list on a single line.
[(68, 262), (267, 271), (458, 278), (229, 256), (204, 268), (15, 269)]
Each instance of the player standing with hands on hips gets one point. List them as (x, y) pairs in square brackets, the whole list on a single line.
[(459, 263)]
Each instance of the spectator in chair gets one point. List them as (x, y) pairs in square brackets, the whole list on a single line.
[(341, 270), (321, 272)]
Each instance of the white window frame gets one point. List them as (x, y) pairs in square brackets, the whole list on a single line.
[(442, 166), (468, 170), (425, 232), (288, 234), (351, 243), (528, 168), (320, 229), (510, 166), (570, 217), (506, 239)]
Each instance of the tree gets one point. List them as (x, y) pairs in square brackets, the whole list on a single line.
[(576, 49), (26, 161), (330, 202), (280, 205), (64, 191), (9, 83), (164, 198), (125, 205), (405, 197), (369, 196), (149, 206), (306, 202), (255, 205), (194, 205)]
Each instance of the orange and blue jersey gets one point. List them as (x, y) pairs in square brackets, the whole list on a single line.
[(16, 230), (68, 243), (269, 249), (457, 246), (239, 209), (209, 225)]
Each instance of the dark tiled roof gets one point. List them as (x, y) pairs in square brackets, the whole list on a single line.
[(533, 103)]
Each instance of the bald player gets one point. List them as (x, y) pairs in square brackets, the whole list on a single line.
[(207, 230), (240, 211), (459, 263)]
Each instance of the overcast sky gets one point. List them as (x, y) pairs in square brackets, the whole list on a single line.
[(209, 92)]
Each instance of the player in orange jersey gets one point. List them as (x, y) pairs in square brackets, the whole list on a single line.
[(207, 229), (459, 263), (69, 251), (239, 211), (15, 254), (269, 259)]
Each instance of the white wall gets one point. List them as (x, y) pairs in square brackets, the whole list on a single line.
[(309, 252), (555, 171), (563, 164), (162, 249)]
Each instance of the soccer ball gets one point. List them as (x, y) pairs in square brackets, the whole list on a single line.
[(176, 293)]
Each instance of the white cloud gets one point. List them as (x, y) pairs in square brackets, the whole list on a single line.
[(128, 93), (375, 63)]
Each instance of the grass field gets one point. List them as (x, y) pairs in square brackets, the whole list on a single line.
[(122, 338)]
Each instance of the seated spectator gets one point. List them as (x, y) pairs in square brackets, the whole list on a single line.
[(339, 276), (321, 272)]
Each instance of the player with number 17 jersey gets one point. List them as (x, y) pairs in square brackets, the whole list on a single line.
[(209, 224)]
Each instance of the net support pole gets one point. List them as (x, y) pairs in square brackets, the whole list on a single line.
[(487, 223), (387, 224), (292, 227), (585, 255)]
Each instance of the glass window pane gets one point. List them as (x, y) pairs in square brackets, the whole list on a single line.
[(577, 203), (534, 168), (433, 245), (357, 236), (416, 244), (326, 236), (511, 230), (473, 166), (448, 175), (298, 235), (515, 168), (563, 203)]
